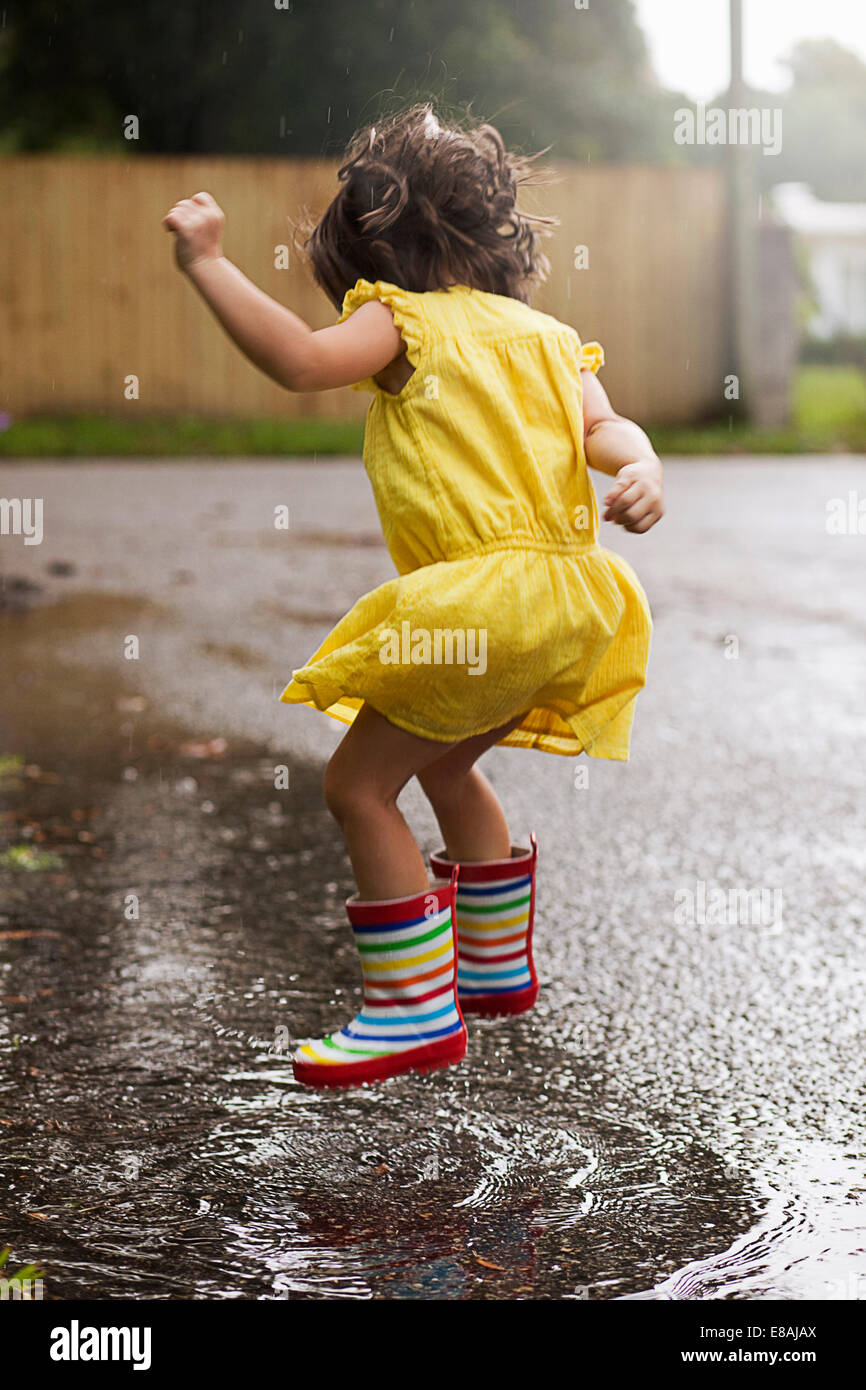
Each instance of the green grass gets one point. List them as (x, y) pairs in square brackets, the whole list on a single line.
[(99, 436), (830, 398), (829, 416)]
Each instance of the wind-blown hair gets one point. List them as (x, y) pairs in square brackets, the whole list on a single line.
[(425, 205)]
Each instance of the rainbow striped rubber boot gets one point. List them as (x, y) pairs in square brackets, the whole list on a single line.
[(495, 912), (410, 1019)]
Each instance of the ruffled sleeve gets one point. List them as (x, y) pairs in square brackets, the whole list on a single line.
[(591, 357), (408, 317)]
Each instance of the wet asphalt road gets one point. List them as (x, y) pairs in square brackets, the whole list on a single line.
[(682, 1115)]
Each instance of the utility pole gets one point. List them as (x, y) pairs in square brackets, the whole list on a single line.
[(741, 231)]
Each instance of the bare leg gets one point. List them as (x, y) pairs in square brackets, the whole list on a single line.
[(363, 780), (470, 817)]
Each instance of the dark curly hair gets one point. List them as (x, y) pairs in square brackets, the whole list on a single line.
[(424, 205)]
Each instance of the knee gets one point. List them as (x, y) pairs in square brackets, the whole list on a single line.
[(339, 791), (347, 796)]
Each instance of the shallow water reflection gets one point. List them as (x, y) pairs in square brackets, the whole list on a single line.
[(154, 1142)]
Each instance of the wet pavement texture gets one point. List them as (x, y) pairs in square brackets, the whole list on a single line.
[(681, 1117)]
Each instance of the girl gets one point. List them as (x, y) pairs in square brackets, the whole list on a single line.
[(485, 415)]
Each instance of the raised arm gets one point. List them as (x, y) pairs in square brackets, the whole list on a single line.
[(620, 448), (271, 336)]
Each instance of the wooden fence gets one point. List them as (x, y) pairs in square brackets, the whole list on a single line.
[(90, 295)]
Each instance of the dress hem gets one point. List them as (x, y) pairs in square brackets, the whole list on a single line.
[(517, 738)]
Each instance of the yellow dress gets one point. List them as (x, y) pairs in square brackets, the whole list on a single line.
[(504, 603)]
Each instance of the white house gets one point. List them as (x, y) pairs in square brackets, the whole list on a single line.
[(835, 235)]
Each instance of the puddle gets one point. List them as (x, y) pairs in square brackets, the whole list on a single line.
[(152, 1140)]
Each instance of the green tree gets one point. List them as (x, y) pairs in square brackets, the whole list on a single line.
[(241, 76), (825, 122)]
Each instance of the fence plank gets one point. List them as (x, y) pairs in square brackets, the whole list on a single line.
[(92, 295)]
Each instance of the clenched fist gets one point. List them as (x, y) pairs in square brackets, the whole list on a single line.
[(197, 224), (636, 500)]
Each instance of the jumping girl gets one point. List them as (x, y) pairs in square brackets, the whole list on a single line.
[(485, 415)]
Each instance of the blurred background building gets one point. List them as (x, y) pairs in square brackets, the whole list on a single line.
[(834, 235)]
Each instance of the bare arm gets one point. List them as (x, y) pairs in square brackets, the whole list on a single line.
[(620, 448), (274, 339)]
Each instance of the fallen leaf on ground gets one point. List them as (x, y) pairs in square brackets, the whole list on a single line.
[(25, 935), (30, 860), (212, 748)]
